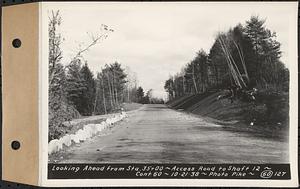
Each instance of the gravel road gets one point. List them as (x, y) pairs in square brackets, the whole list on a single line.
[(157, 134)]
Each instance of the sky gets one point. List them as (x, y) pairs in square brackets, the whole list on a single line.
[(156, 40)]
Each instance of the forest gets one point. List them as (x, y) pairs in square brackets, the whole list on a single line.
[(241, 81), (74, 91), (247, 56)]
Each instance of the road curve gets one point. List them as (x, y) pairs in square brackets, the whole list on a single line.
[(157, 134)]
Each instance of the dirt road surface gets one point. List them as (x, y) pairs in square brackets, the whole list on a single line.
[(157, 134)]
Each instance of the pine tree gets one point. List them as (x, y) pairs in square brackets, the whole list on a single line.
[(87, 98), (201, 70), (140, 94), (169, 87), (75, 84), (245, 56), (118, 81), (267, 50)]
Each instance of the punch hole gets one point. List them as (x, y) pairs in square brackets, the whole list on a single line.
[(15, 145), (16, 43)]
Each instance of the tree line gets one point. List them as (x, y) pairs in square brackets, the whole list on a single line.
[(246, 56), (75, 91)]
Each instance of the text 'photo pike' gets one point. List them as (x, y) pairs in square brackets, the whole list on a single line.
[(193, 91)]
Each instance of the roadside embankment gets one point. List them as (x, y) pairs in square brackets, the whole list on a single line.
[(86, 132), (79, 130), (268, 115)]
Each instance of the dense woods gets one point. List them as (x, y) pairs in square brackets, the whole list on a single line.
[(246, 56), (75, 91)]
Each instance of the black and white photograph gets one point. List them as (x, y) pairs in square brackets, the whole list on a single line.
[(169, 84)]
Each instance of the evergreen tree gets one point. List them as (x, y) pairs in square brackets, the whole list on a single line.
[(201, 70), (169, 87), (243, 56), (179, 87), (75, 84), (267, 51), (140, 94), (118, 82), (87, 98)]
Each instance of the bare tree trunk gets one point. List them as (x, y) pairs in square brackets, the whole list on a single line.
[(128, 88), (183, 85), (217, 74), (117, 100), (95, 102), (104, 103), (194, 80), (242, 60), (110, 92), (115, 91)]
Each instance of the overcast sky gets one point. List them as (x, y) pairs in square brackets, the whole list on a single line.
[(157, 39)]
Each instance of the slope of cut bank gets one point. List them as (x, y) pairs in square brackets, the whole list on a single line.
[(267, 116)]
